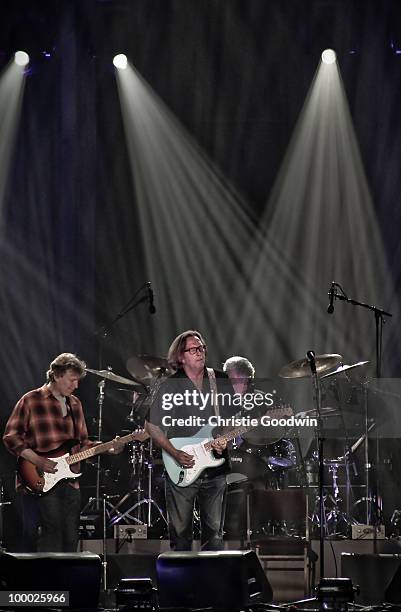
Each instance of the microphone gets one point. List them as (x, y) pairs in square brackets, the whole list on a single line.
[(152, 308), (330, 307)]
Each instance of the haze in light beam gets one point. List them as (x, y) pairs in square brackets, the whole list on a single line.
[(321, 213), (12, 83)]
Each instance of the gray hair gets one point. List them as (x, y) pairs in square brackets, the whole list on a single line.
[(242, 365)]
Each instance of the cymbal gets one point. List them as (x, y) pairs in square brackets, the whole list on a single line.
[(145, 367), (301, 368), (325, 411), (114, 377), (344, 368)]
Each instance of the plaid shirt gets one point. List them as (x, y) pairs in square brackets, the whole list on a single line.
[(37, 422)]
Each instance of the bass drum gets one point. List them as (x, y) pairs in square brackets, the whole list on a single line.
[(246, 466)]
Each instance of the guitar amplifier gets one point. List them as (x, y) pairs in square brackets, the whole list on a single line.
[(130, 532), (368, 532)]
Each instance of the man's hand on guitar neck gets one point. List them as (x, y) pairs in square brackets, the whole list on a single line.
[(219, 445), (117, 447), (42, 463)]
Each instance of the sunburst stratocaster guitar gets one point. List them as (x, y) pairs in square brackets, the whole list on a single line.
[(200, 446), (39, 483)]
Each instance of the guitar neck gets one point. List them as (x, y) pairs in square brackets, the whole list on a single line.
[(237, 431), (233, 433), (100, 448)]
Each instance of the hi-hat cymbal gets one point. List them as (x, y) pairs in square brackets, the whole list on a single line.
[(344, 368), (145, 367), (302, 369), (114, 377)]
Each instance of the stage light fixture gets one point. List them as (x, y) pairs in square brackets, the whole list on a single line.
[(120, 61), (21, 58), (334, 594), (329, 56)]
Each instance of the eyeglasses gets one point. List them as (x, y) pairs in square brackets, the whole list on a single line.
[(196, 349)]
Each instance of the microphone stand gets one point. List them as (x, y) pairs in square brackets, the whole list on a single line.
[(102, 333), (318, 401), (379, 315)]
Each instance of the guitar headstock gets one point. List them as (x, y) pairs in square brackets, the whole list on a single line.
[(140, 435)]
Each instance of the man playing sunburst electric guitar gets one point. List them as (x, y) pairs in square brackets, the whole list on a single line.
[(42, 421)]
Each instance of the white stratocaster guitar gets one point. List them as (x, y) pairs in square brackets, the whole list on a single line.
[(38, 482), (200, 446)]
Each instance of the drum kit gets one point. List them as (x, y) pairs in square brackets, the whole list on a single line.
[(142, 502), (264, 463), (281, 464)]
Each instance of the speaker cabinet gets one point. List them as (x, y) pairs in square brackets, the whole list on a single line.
[(226, 580), (378, 576), (78, 573)]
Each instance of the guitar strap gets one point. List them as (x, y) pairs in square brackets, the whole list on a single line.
[(68, 401), (213, 387)]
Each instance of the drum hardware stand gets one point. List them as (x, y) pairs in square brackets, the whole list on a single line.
[(104, 561), (149, 501), (336, 515), (2, 503), (96, 501), (316, 384)]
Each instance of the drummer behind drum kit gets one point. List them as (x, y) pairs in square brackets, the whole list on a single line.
[(257, 461)]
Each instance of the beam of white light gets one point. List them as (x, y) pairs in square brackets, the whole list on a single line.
[(196, 231), (120, 61), (329, 56), (12, 83), (320, 208)]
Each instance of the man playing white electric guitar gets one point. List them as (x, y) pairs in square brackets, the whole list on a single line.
[(184, 403)]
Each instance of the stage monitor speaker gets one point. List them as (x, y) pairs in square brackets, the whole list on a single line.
[(392, 593), (77, 573), (225, 580), (378, 576)]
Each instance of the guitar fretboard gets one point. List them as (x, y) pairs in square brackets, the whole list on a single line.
[(102, 448), (237, 431)]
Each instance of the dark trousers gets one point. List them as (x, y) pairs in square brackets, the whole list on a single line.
[(59, 519), (210, 494)]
